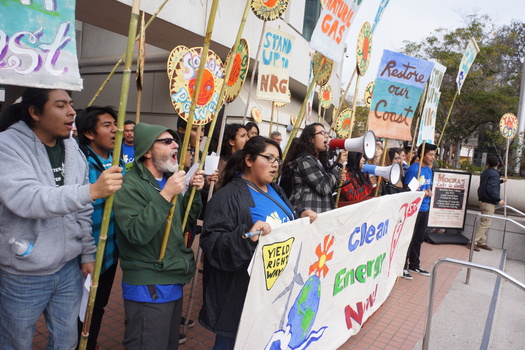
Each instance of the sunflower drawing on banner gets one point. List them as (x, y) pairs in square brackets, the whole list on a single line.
[(325, 96), (369, 91), (257, 115), (364, 48), (239, 70), (269, 10), (326, 68), (183, 80), (342, 125)]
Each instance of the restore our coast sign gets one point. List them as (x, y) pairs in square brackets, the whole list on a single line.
[(37, 44)]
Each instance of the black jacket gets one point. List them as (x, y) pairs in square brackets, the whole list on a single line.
[(489, 183), (227, 256)]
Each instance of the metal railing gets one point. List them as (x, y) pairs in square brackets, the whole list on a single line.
[(468, 264), (472, 238)]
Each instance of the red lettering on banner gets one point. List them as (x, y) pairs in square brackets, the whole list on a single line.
[(351, 314), (271, 83)]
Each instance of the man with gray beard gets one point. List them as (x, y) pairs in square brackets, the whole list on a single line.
[(152, 290)]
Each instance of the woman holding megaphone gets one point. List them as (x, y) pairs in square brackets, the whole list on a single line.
[(306, 165)]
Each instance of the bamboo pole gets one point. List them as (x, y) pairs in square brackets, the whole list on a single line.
[(189, 125), (119, 62), (343, 98), (116, 157), (446, 121), (229, 66), (271, 119), (140, 68), (253, 74), (302, 111)]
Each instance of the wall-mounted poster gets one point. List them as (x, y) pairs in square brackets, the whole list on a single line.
[(448, 205)]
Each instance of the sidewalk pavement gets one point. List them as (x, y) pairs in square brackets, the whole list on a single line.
[(398, 324)]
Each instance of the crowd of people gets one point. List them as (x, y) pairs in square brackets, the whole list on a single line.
[(55, 191)]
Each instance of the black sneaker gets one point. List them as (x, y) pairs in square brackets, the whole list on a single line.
[(182, 339), (191, 323), (420, 271), (406, 275)]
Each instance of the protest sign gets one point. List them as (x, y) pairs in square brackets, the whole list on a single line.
[(397, 90), (427, 126), (331, 30), (314, 285), (466, 62), (38, 46), (448, 205), (274, 66)]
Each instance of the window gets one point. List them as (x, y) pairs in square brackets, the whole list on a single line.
[(312, 11)]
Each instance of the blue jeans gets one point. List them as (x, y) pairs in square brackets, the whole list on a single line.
[(24, 298), (223, 343)]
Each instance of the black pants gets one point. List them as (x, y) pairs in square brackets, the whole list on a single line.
[(420, 232), (105, 282), (151, 326)]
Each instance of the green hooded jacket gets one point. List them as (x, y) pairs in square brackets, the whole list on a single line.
[(141, 212)]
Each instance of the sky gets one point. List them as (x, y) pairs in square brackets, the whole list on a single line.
[(414, 20)]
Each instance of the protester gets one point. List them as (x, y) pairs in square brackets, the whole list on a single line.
[(377, 156), (252, 129), (127, 143), (97, 127), (393, 157), (277, 137), (357, 186), (235, 136), (248, 201), (46, 208), (424, 178), (313, 180), (489, 197), (191, 156)]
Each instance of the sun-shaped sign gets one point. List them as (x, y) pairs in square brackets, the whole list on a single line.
[(241, 62), (325, 96), (269, 10), (257, 115), (508, 125), (282, 104), (369, 91), (364, 48), (326, 68), (174, 57), (322, 251), (342, 124), (183, 81)]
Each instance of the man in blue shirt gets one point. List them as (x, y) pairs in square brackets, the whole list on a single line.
[(97, 127), (128, 152), (423, 173)]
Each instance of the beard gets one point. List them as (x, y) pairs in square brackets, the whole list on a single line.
[(165, 163)]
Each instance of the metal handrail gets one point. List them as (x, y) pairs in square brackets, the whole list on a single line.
[(511, 208), (472, 239), (433, 277)]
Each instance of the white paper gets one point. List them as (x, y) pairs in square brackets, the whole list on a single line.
[(189, 174), (85, 296), (413, 184), (211, 164)]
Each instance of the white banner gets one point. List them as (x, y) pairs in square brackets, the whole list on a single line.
[(314, 285), (427, 126), (331, 30), (38, 46), (274, 66), (466, 62)]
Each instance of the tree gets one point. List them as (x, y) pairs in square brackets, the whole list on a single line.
[(491, 88)]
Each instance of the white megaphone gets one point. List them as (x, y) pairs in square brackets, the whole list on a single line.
[(365, 144), (392, 173)]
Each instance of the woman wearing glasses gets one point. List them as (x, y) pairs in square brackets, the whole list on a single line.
[(313, 180), (248, 201), (358, 186)]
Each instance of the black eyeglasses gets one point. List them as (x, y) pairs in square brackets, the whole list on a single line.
[(166, 141), (322, 132), (271, 159)]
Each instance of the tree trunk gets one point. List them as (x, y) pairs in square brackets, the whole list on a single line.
[(457, 153)]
